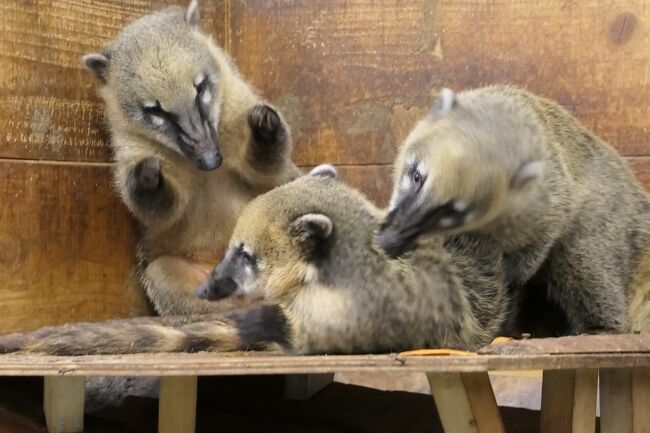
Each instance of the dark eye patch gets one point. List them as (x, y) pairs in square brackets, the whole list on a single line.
[(201, 86), (155, 110)]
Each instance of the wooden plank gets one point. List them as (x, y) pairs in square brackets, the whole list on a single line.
[(240, 363), (641, 400), (66, 246), (353, 77), (483, 402), (63, 404), (557, 401), (454, 408), (584, 401), (48, 107), (616, 400), (177, 406), (303, 386), (583, 344), (592, 57)]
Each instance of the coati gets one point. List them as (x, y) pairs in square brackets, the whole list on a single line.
[(308, 250), (192, 144), (521, 175)]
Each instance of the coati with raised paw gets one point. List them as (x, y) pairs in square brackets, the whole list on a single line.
[(192, 144), (308, 250), (519, 174)]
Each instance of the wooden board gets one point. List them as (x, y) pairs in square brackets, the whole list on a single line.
[(354, 76), (48, 103), (251, 363), (65, 245), (583, 344)]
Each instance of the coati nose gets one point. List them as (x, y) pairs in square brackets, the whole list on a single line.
[(217, 289), (209, 160)]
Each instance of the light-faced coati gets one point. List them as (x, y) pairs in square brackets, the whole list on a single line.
[(192, 144), (523, 176), (307, 248)]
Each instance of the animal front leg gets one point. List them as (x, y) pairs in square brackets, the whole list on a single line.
[(149, 193), (171, 281), (270, 144)]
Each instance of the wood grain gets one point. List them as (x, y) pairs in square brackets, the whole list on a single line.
[(65, 245), (63, 404), (353, 77), (251, 363), (616, 400), (177, 406), (48, 106)]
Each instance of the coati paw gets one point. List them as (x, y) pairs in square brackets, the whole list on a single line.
[(147, 174), (265, 123)]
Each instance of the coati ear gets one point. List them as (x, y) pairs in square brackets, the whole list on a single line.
[(192, 15), (526, 174), (325, 170), (309, 230), (444, 103), (97, 63)]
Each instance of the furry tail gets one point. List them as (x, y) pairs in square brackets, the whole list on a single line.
[(208, 332)]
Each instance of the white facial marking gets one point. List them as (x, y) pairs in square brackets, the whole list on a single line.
[(157, 120), (206, 97), (460, 205), (199, 79)]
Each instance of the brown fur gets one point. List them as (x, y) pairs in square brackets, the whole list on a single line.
[(187, 220), (579, 219), (308, 247)]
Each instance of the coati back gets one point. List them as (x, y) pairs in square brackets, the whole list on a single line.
[(192, 142), (308, 250), (520, 174)]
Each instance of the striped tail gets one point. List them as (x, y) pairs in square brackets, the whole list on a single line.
[(259, 327)]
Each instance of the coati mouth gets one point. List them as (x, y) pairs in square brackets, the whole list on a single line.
[(207, 161), (405, 223)]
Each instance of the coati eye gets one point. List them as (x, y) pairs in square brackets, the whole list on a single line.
[(247, 256), (153, 108), (417, 177), (201, 85)]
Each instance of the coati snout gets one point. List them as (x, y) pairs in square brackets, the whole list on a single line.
[(405, 223), (235, 275), (459, 170)]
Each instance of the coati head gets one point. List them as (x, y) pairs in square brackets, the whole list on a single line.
[(473, 158), (161, 79), (277, 240)]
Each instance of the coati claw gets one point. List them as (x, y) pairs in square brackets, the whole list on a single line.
[(265, 123), (147, 174)]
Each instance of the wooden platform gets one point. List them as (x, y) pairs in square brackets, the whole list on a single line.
[(460, 384), (212, 364)]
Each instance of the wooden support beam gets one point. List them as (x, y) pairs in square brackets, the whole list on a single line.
[(616, 400), (177, 405), (569, 401), (465, 402), (303, 386), (63, 403), (641, 400)]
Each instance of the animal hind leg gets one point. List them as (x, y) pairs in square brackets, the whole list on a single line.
[(591, 293)]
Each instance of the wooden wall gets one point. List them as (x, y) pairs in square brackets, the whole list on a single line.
[(352, 76)]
